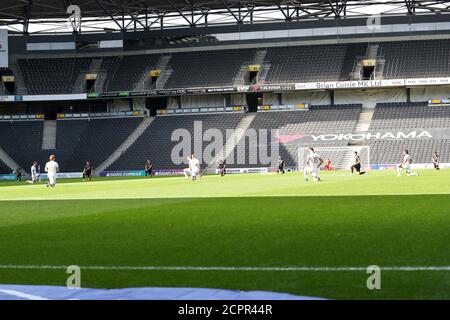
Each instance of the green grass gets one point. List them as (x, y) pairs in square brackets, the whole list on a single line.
[(242, 221)]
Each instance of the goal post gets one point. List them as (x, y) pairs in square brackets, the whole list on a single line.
[(341, 157)]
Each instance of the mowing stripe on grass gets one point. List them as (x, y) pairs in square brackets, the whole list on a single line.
[(306, 195), (218, 268)]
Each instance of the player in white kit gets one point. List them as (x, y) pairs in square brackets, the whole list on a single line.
[(194, 168), (406, 164), (313, 162), (52, 169), (187, 171), (34, 173)]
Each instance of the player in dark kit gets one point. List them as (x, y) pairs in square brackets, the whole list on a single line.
[(280, 165), (435, 159), (87, 171), (19, 173), (222, 167), (357, 164), (148, 168)]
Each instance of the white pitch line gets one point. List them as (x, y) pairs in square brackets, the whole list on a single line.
[(20, 294), (225, 268)]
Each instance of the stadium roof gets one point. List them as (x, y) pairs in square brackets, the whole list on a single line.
[(18, 15), (57, 8)]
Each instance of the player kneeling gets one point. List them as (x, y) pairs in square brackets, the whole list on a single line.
[(313, 162), (52, 169), (34, 173), (406, 165), (356, 164), (194, 168)]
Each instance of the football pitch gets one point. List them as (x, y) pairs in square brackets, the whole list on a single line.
[(243, 232)]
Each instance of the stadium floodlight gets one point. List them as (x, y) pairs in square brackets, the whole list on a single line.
[(341, 157)]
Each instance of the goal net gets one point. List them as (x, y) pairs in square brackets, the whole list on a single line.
[(341, 157)]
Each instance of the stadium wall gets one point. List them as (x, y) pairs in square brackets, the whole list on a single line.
[(369, 98), (429, 93), (238, 99), (202, 101), (311, 97), (119, 105)]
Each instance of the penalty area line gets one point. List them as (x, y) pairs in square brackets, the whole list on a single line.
[(229, 268)]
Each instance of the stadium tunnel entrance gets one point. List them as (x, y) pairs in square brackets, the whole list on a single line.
[(253, 101), (155, 103)]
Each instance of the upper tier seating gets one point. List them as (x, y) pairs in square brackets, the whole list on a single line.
[(52, 76), (353, 52), (131, 69), (416, 59), (414, 115), (109, 68), (209, 68), (6, 72), (155, 143), (309, 63), (305, 63)]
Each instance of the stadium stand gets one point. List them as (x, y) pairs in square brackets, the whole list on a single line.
[(4, 168), (6, 72), (413, 115), (24, 142), (409, 115), (131, 69), (95, 140), (54, 75), (390, 152), (108, 69), (352, 53), (319, 119), (305, 63), (209, 68), (82, 140), (220, 67), (416, 59), (77, 141), (155, 143)]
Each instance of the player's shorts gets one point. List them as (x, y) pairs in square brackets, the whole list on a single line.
[(52, 179), (312, 169), (195, 172)]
